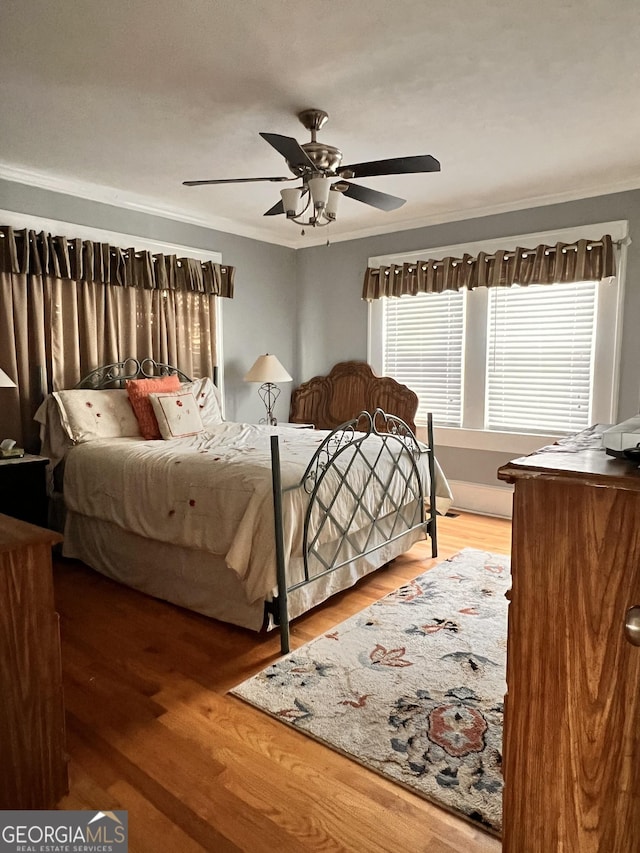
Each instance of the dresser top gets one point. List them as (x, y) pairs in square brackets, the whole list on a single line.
[(15, 534), (589, 465)]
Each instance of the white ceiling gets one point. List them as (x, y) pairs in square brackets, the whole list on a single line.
[(522, 102)]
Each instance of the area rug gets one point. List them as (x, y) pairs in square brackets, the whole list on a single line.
[(412, 687)]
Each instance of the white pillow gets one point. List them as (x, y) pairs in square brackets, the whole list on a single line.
[(88, 414), (208, 399), (177, 414)]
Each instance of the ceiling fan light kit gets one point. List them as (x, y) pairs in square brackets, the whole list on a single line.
[(291, 198), (317, 164), (322, 198)]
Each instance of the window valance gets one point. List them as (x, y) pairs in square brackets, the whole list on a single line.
[(584, 260), (30, 252)]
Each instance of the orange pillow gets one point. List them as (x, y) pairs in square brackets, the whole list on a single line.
[(139, 390)]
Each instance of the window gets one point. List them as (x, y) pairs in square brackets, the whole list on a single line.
[(540, 357), (423, 338), (536, 360)]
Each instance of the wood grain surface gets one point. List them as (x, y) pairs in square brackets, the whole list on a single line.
[(151, 730), (572, 723), (33, 772), (591, 467), (349, 388), (13, 532)]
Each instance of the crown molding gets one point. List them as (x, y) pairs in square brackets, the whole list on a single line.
[(150, 207), (487, 210), (133, 201), (618, 230)]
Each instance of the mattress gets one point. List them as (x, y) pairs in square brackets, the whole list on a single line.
[(211, 493)]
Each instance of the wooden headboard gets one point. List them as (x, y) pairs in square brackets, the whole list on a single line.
[(350, 388)]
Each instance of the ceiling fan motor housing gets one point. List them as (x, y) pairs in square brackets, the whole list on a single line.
[(324, 157)]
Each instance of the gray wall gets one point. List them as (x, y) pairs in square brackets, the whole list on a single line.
[(305, 306), (261, 318), (333, 317)]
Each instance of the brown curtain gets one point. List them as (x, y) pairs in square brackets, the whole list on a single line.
[(25, 251), (55, 328), (585, 260)]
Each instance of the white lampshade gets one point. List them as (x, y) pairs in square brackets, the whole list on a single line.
[(319, 189), (332, 205), (267, 368), (5, 381), (291, 200)]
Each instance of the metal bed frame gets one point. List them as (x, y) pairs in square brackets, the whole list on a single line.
[(399, 506), (400, 502), (116, 374)]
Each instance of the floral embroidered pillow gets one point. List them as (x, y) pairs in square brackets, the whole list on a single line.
[(139, 390), (87, 414), (208, 400), (177, 414)]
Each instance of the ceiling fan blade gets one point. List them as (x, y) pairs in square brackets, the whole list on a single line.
[(290, 149), (383, 201), (392, 166), (275, 210), (235, 181)]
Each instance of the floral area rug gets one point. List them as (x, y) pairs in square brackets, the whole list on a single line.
[(412, 687)]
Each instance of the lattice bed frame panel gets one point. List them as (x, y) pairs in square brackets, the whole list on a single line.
[(399, 507)]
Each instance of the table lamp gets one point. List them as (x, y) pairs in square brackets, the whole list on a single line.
[(8, 449), (5, 381), (268, 370)]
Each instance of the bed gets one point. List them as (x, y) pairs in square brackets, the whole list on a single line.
[(250, 524)]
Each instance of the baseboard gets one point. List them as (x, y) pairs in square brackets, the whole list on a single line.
[(481, 498)]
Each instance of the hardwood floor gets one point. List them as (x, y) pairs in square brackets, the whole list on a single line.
[(150, 729)]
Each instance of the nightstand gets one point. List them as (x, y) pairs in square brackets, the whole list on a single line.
[(23, 488)]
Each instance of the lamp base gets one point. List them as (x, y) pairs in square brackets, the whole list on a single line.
[(269, 393)]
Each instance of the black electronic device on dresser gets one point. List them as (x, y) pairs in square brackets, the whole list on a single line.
[(23, 488)]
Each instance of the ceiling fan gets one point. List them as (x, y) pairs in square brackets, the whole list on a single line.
[(317, 165)]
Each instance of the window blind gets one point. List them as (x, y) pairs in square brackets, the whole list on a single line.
[(540, 357), (423, 337)]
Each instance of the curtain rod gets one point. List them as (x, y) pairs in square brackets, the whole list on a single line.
[(125, 252), (511, 253)]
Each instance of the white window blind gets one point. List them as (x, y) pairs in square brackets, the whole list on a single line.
[(423, 338), (540, 357)]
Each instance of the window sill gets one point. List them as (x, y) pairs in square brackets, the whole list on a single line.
[(480, 439)]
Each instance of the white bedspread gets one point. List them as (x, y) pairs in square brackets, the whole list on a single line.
[(210, 492)]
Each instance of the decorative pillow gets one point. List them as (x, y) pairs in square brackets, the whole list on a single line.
[(139, 390), (208, 400), (87, 414), (177, 414)]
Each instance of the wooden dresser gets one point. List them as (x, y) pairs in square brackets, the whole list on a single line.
[(572, 710), (32, 739)]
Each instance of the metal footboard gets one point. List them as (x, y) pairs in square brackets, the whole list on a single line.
[(355, 506)]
